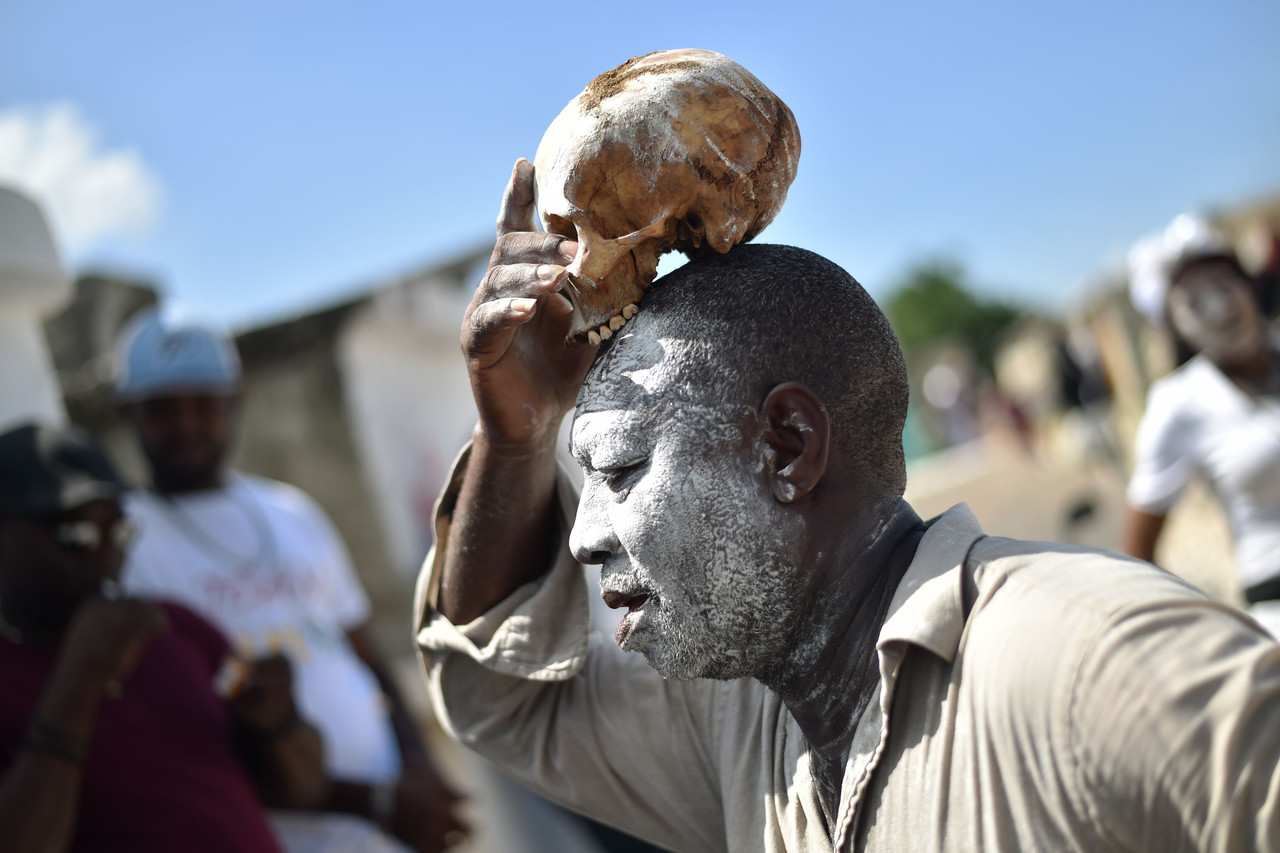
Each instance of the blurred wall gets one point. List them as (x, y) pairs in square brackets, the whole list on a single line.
[(410, 405)]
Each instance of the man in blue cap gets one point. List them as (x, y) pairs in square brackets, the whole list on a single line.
[(262, 561), (115, 728)]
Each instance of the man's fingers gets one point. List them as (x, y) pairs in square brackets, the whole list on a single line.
[(516, 213), (532, 280), (532, 247), (488, 330)]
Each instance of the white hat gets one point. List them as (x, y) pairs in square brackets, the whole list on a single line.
[(1153, 259)]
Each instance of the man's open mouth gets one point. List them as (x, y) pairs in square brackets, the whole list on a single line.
[(633, 601)]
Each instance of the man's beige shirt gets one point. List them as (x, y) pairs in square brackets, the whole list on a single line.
[(1060, 699)]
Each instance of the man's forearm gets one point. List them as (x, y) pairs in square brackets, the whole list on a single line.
[(1142, 533), (408, 736), (40, 792), (504, 528), (293, 773)]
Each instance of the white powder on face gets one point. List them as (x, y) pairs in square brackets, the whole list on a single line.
[(695, 528), (1217, 315)]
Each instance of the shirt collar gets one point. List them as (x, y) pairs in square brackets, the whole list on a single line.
[(927, 609)]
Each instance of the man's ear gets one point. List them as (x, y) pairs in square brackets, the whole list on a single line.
[(798, 429)]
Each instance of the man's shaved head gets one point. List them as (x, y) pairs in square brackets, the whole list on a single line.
[(704, 429), (762, 315)]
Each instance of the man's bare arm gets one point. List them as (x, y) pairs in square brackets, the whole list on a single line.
[(40, 791), (524, 376), (503, 529), (423, 811), (1142, 533)]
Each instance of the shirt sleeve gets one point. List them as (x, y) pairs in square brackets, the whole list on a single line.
[(583, 723), (1174, 718), (1163, 458)]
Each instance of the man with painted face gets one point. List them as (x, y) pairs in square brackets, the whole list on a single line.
[(1217, 417), (116, 732), (819, 668)]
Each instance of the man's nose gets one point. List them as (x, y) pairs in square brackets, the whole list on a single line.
[(592, 539)]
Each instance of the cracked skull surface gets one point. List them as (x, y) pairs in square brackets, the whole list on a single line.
[(677, 150)]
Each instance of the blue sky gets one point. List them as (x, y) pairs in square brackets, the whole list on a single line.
[(299, 150)]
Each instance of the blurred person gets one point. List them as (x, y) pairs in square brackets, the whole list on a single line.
[(1217, 417), (114, 733), (261, 560), (804, 663)]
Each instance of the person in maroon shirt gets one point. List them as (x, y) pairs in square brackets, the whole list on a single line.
[(114, 733)]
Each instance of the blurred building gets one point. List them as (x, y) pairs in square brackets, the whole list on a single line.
[(362, 403)]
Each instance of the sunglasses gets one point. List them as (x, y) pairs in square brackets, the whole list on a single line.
[(90, 535)]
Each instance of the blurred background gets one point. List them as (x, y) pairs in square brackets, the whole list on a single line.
[(321, 179)]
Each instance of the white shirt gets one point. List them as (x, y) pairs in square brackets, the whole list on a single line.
[(261, 561), (1199, 422)]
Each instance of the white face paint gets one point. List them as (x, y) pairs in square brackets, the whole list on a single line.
[(678, 511), (1212, 308)]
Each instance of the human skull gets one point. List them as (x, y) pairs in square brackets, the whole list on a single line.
[(681, 149)]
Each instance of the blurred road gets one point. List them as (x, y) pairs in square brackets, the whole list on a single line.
[(1019, 496)]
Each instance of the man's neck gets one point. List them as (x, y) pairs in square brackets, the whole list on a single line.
[(1256, 370), (833, 671), (178, 488)]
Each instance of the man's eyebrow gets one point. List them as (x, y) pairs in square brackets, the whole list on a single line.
[(575, 453)]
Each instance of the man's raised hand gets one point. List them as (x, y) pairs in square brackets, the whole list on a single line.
[(107, 637), (524, 373)]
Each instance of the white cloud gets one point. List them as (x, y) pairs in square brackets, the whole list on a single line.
[(52, 153)]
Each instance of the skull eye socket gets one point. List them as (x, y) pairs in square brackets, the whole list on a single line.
[(562, 227)]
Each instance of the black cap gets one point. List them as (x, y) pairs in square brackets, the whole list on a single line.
[(46, 470)]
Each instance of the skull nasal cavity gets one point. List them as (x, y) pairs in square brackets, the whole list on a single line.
[(561, 226)]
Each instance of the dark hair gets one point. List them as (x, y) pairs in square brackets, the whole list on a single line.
[(765, 314)]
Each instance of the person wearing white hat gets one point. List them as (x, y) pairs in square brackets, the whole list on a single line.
[(261, 560), (1218, 415)]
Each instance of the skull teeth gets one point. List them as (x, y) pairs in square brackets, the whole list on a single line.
[(607, 330)]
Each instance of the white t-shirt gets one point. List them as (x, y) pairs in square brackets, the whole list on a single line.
[(260, 560), (1199, 422)]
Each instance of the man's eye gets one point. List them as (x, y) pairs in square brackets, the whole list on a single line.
[(623, 476)]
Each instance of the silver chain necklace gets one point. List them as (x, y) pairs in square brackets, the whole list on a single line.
[(266, 552)]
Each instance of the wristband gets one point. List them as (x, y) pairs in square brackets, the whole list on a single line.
[(382, 802), (47, 739)]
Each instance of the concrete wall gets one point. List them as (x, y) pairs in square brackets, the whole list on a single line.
[(410, 405)]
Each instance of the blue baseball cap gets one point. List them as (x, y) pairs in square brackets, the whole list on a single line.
[(156, 357)]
